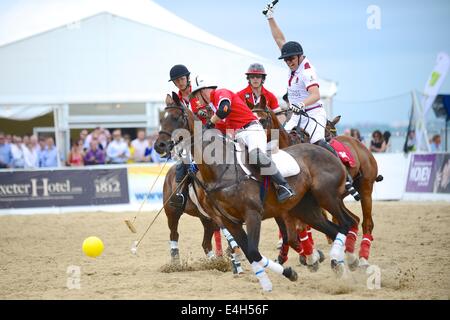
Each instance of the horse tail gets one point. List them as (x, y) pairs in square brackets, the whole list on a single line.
[(379, 178)]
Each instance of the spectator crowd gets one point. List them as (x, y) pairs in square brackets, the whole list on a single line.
[(96, 147)]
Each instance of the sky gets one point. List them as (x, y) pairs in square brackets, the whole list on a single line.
[(368, 64)]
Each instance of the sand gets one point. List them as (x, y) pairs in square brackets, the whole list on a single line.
[(411, 247)]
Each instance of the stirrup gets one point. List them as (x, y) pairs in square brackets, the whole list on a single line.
[(177, 200), (284, 193)]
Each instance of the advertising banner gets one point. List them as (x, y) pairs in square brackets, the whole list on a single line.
[(57, 188), (141, 179), (429, 173)]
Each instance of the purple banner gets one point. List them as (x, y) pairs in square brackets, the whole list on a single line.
[(422, 171), (56, 188), (429, 173)]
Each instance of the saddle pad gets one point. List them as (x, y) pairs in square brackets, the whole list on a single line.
[(194, 199), (343, 152)]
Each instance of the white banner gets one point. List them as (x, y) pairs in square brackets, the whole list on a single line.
[(431, 90)]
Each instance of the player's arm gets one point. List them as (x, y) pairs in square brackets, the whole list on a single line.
[(277, 34)]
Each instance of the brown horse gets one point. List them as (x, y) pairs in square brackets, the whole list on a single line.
[(284, 140), (364, 174), (233, 197), (173, 216), (210, 228)]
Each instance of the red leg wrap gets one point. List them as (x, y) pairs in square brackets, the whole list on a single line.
[(306, 244), (308, 228), (352, 236), (218, 241), (365, 246)]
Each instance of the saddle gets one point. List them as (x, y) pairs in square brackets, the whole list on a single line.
[(343, 152)]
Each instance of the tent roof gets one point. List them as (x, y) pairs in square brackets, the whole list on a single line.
[(20, 19), (45, 59)]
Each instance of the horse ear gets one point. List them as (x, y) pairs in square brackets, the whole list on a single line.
[(169, 100), (249, 104), (263, 102), (336, 120), (176, 99)]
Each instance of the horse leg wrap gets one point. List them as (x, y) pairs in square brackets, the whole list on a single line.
[(306, 243), (271, 265), (337, 249), (366, 242), (233, 244), (218, 242), (308, 228), (263, 279), (236, 264), (352, 236), (173, 244), (283, 254)]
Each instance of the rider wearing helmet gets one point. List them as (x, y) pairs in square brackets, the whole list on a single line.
[(180, 76), (235, 115), (256, 75), (303, 91)]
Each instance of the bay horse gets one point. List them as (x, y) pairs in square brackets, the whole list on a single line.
[(364, 174), (233, 197), (210, 228)]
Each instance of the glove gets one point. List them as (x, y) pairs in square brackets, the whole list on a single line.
[(268, 9), (202, 113), (297, 108), (209, 124)]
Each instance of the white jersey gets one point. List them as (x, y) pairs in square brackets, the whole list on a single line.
[(300, 81)]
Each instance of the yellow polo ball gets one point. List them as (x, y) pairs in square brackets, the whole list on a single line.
[(93, 247)]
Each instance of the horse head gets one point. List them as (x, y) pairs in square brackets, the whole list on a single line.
[(330, 131), (176, 116)]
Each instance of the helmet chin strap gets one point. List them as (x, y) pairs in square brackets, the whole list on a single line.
[(188, 84), (203, 97)]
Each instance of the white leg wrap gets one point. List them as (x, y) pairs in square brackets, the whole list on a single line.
[(237, 263), (338, 247), (211, 255), (173, 244), (263, 279), (229, 238), (271, 265)]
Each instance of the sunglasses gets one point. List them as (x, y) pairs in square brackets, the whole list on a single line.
[(289, 58), (257, 76)]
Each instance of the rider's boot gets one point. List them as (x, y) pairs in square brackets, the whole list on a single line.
[(284, 190), (178, 200)]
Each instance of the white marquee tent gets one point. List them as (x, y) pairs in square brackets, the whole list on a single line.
[(95, 61)]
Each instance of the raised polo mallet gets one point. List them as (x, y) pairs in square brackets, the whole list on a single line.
[(271, 5)]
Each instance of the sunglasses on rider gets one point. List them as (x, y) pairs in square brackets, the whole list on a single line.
[(257, 76)]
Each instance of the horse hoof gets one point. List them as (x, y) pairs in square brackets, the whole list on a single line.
[(314, 267), (321, 256), (302, 260), (363, 263), (290, 274), (175, 256), (352, 261), (281, 259), (337, 267)]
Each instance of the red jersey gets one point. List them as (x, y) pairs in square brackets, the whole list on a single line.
[(195, 106), (247, 94), (240, 114)]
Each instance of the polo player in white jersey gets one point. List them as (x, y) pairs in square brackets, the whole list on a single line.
[(303, 92)]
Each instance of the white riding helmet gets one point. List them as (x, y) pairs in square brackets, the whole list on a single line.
[(199, 83)]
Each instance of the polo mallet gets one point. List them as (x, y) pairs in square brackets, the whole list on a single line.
[(130, 223), (271, 5)]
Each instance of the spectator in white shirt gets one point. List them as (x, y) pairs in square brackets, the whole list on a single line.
[(140, 144), (18, 160), (31, 153), (117, 150)]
